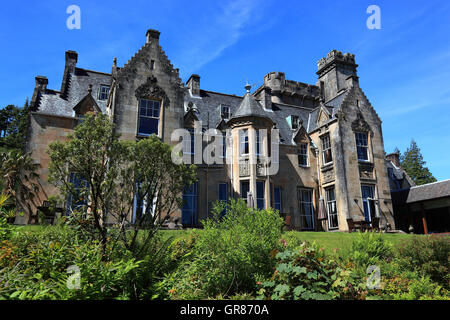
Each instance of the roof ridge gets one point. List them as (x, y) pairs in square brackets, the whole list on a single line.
[(94, 71), (225, 94), (427, 184)]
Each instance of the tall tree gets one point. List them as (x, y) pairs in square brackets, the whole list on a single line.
[(412, 161), (20, 179), (14, 126), (108, 176)]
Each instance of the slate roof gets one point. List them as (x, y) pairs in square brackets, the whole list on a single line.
[(429, 191), (50, 102), (208, 106), (249, 107)]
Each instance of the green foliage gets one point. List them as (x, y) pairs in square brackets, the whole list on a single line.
[(20, 179), (13, 126), (369, 248), (301, 274), (428, 256), (5, 229), (229, 254), (114, 171), (412, 161), (306, 273), (417, 288), (40, 262)]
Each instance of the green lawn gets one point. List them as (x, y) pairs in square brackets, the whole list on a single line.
[(338, 240), (328, 240)]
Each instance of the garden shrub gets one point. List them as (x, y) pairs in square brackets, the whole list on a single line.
[(417, 288), (369, 248), (428, 256), (229, 254), (306, 273), (34, 265)]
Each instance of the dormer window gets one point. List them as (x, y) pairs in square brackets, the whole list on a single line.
[(303, 155), (103, 92), (294, 122), (225, 112), (327, 156)]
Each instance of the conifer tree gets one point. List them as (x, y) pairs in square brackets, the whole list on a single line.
[(412, 161)]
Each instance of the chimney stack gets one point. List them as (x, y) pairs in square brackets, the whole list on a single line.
[(41, 83), (71, 63), (71, 60), (153, 36), (194, 84), (394, 158)]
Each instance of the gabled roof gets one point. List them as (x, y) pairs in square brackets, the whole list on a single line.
[(50, 101), (87, 103)]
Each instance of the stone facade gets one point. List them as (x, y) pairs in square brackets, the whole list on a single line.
[(316, 124)]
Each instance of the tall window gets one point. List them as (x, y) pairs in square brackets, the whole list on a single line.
[(277, 198), (189, 210), (258, 143), (245, 188), (362, 146), (148, 116), (326, 150), (367, 192), (223, 195), (306, 209), (260, 195), (77, 201), (224, 144), (142, 206), (225, 112), (189, 143), (103, 92), (243, 141), (294, 122), (223, 192), (303, 155), (331, 208)]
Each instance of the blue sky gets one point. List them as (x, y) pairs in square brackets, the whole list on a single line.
[(404, 67)]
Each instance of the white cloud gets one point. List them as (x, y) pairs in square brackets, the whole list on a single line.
[(224, 28)]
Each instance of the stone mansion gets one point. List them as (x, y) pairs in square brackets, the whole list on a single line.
[(331, 158)]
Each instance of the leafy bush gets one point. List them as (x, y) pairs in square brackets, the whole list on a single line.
[(5, 229), (428, 256), (303, 274), (370, 248), (307, 273), (418, 288), (229, 254), (34, 265)]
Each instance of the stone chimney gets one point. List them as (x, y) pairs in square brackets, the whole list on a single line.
[(153, 36), (71, 63), (193, 84), (41, 83), (71, 60), (394, 158), (275, 81)]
